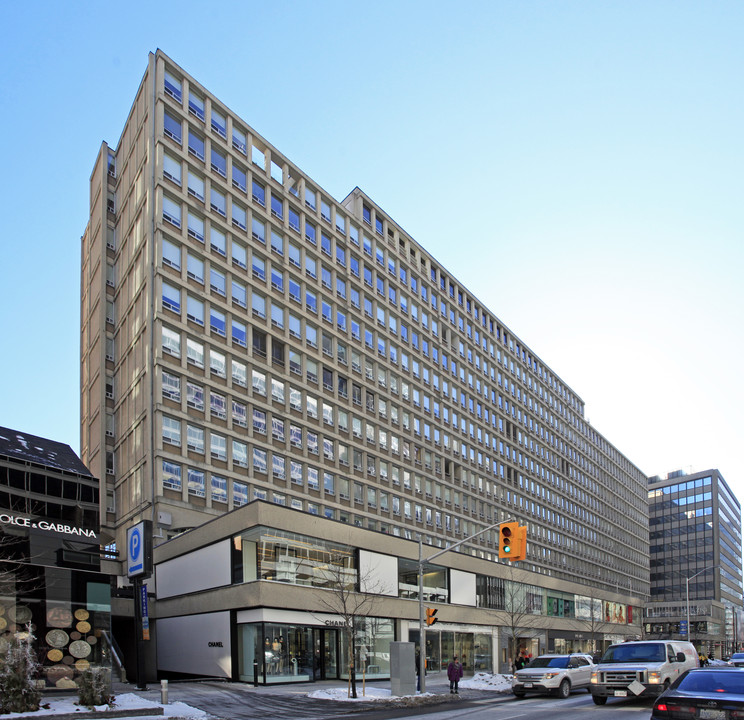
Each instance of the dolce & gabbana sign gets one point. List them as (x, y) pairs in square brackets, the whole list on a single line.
[(45, 525)]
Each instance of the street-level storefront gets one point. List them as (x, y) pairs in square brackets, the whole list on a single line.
[(51, 585), (472, 645), (280, 646)]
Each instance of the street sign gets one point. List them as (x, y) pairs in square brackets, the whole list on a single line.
[(139, 549)]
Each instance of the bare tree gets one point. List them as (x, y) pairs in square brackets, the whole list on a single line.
[(518, 609), (17, 576), (353, 599)]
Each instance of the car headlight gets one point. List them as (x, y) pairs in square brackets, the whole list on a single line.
[(550, 675), (654, 677)]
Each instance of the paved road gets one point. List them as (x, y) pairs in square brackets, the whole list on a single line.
[(238, 701)]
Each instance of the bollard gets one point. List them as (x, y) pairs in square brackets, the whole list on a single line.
[(255, 673), (164, 692)]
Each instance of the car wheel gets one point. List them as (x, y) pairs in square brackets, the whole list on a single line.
[(564, 689), (519, 695), (599, 699)]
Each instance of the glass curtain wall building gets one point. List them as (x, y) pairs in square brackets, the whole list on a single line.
[(245, 336), (695, 550)]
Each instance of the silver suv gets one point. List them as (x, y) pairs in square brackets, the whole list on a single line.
[(557, 674)]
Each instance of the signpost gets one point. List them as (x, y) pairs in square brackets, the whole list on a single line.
[(139, 567)]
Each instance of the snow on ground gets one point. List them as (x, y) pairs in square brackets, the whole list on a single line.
[(486, 681), (60, 706), (480, 681)]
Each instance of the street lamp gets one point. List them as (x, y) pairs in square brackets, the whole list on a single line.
[(422, 624), (687, 594)]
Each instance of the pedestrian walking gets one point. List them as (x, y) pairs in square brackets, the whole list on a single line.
[(454, 673)]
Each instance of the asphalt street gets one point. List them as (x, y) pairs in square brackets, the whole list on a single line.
[(239, 701)]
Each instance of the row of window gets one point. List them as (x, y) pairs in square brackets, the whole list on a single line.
[(373, 219)]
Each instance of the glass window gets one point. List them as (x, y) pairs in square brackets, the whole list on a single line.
[(219, 124), (196, 106), (196, 145), (172, 169), (172, 127)]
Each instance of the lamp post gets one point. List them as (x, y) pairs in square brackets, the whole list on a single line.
[(422, 624), (687, 594)]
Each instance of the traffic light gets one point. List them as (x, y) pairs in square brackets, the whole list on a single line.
[(507, 538), (430, 616), (519, 543)]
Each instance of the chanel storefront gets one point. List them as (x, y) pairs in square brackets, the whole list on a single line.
[(50, 580)]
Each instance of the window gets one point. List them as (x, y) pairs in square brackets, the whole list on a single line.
[(196, 186), (239, 255), (218, 446), (195, 352), (239, 140), (217, 364), (195, 438), (195, 227), (217, 321), (196, 106), (172, 169), (277, 207), (259, 267), (259, 193), (239, 177), (196, 482), (172, 127), (195, 268), (195, 396), (171, 430), (217, 405), (239, 216), (239, 333), (171, 298), (217, 241), (171, 475), (171, 211), (171, 342), (219, 124), (277, 243), (217, 282), (258, 230), (240, 494), (219, 489), (238, 373), (219, 162), (239, 453), (172, 86), (171, 386), (218, 202), (195, 310), (196, 145)]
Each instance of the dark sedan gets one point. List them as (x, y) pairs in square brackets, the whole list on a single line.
[(710, 693)]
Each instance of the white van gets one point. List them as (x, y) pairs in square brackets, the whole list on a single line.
[(642, 668)]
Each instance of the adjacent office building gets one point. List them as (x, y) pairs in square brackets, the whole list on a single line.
[(695, 556), (272, 372), (51, 582)]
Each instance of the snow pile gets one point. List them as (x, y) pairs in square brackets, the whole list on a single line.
[(487, 681), (373, 694), (122, 702)]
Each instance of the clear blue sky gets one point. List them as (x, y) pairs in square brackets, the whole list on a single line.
[(577, 165)]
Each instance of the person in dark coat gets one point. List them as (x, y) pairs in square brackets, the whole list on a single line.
[(454, 673)]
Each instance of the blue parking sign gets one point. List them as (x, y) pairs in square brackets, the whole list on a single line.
[(139, 553)]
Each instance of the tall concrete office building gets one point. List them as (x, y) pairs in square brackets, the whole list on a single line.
[(695, 557), (247, 337)]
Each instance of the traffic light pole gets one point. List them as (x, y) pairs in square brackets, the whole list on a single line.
[(422, 623)]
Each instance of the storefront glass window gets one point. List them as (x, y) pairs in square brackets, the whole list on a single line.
[(283, 556), (436, 588), (373, 638)]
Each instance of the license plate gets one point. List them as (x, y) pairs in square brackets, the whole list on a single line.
[(707, 714), (621, 693), (528, 684)]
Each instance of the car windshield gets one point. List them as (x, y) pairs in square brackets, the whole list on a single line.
[(553, 662), (636, 652), (737, 656), (710, 681)]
